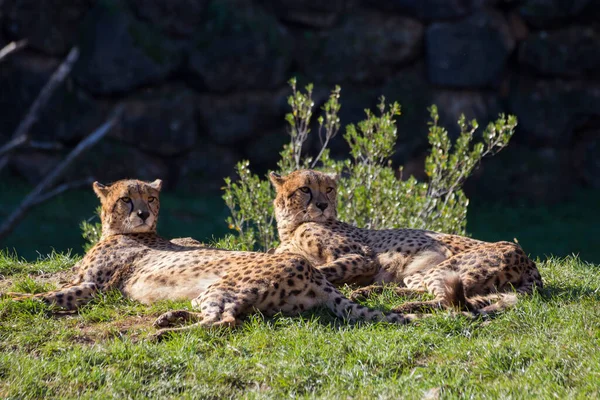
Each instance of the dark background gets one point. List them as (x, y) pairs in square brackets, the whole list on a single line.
[(204, 86)]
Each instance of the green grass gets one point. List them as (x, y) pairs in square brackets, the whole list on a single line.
[(545, 347)]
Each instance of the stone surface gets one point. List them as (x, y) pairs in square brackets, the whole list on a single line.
[(70, 115), (34, 165), (310, 13), (541, 175), (205, 167), (22, 76), (549, 111), (263, 151), (409, 88), (159, 121), (240, 47), (233, 119), (364, 47), (570, 52), (176, 17), (50, 26), (548, 13), (427, 9), (109, 161), (468, 53), (119, 53), (479, 105)]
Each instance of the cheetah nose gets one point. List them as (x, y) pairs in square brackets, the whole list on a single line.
[(321, 206), (143, 215)]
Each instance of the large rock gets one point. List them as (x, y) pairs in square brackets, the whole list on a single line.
[(49, 26), (176, 17), (34, 165), (233, 119), (70, 115), (484, 106), (119, 53), (549, 111), (239, 47), (520, 173), (409, 88), (547, 13), (569, 52), (427, 9), (109, 161), (205, 167), (468, 53), (22, 75), (159, 121), (263, 151), (310, 13), (365, 47)]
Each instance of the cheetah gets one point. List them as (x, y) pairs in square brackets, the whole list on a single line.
[(222, 285), (459, 271)]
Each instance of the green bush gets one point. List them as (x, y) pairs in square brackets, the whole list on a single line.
[(91, 230), (372, 194)]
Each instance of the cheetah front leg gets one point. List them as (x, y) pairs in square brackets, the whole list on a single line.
[(350, 268), (69, 297)]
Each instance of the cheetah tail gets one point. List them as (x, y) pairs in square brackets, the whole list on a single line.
[(454, 292), (454, 296), (346, 309)]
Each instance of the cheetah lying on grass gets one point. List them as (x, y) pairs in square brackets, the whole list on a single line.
[(457, 270), (223, 285)]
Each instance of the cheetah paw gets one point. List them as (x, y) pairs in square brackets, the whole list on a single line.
[(171, 318)]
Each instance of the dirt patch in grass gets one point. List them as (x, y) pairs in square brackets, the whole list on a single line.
[(133, 327), (56, 279)]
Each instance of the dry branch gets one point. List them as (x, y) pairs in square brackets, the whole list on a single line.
[(12, 145), (11, 48), (33, 198), (87, 182), (34, 111)]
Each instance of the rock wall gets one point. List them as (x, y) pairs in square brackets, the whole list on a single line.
[(204, 82)]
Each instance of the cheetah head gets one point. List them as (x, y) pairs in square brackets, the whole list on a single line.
[(304, 196), (128, 206)]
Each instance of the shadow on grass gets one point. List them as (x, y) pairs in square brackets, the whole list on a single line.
[(568, 293)]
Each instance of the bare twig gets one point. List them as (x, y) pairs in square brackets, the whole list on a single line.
[(34, 111), (11, 48), (48, 146), (63, 188), (13, 144), (33, 197), (23, 141)]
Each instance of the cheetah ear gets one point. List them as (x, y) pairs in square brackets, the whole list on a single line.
[(333, 175), (156, 185), (100, 189), (276, 179)]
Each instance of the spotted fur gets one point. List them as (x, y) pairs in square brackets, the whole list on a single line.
[(458, 271), (222, 285)]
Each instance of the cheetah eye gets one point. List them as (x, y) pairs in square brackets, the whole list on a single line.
[(151, 199), (125, 199), (305, 189), (329, 190)]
